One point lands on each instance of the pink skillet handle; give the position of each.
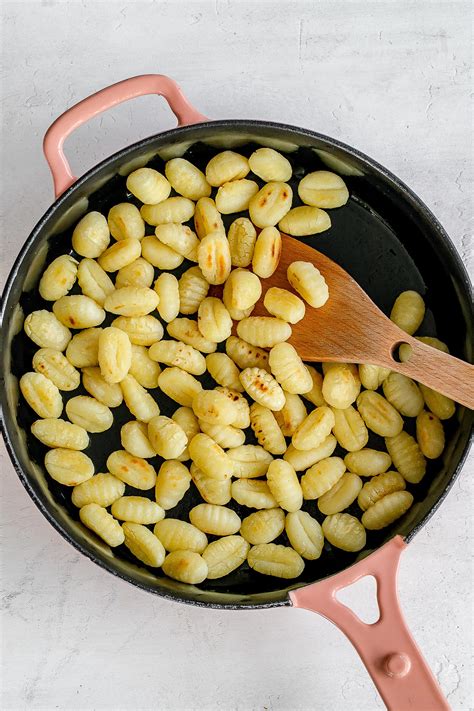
(389, 652)
(101, 101)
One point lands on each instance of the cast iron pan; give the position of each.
(385, 237)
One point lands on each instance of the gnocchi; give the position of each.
(172, 209)
(430, 434)
(270, 165)
(137, 509)
(349, 429)
(41, 394)
(185, 566)
(263, 526)
(235, 196)
(83, 349)
(94, 281)
(114, 354)
(209, 457)
(284, 305)
(314, 429)
(213, 256)
(321, 477)
(341, 495)
(284, 485)
(345, 532)
(249, 461)
(253, 493)
(186, 179)
(304, 459)
(143, 544)
(407, 456)
(183, 329)
(262, 388)
(144, 369)
(89, 413)
(148, 185)
(214, 321)
(78, 311)
(270, 204)
(59, 278)
(91, 235)
(207, 218)
(289, 370)
(179, 385)
(101, 489)
(98, 519)
(242, 236)
(266, 429)
(263, 331)
(180, 355)
(214, 519)
(267, 252)
(308, 281)
(109, 394)
(58, 433)
(47, 331)
(323, 189)
(225, 555)
(304, 534)
(277, 560)
(172, 483)
(125, 222)
(226, 166)
(224, 371)
(56, 367)
(387, 510)
(68, 466)
(166, 437)
(134, 439)
(177, 535)
(132, 470)
(408, 311)
(378, 487)
(167, 288)
(304, 220)
(193, 289)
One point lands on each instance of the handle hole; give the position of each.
(401, 352)
(361, 598)
(114, 129)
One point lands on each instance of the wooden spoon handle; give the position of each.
(441, 372)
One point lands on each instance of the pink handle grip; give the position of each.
(101, 101)
(389, 652)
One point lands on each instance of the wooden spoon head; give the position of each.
(348, 328)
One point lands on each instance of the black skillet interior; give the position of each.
(384, 237)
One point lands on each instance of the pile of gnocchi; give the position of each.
(262, 438)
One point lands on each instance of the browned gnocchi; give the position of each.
(253, 426)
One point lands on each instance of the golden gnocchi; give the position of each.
(56, 367)
(143, 544)
(41, 394)
(214, 519)
(262, 388)
(279, 561)
(47, 331)
(308, 281)
(263, 526)
(98, 519)
(242, 236)
(59, 278)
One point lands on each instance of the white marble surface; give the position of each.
(391, 78)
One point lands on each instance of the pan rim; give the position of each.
(408, 194)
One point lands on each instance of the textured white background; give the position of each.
(391, 78)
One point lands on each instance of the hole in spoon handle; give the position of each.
(439, 371)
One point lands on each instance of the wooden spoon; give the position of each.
(351, 328)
